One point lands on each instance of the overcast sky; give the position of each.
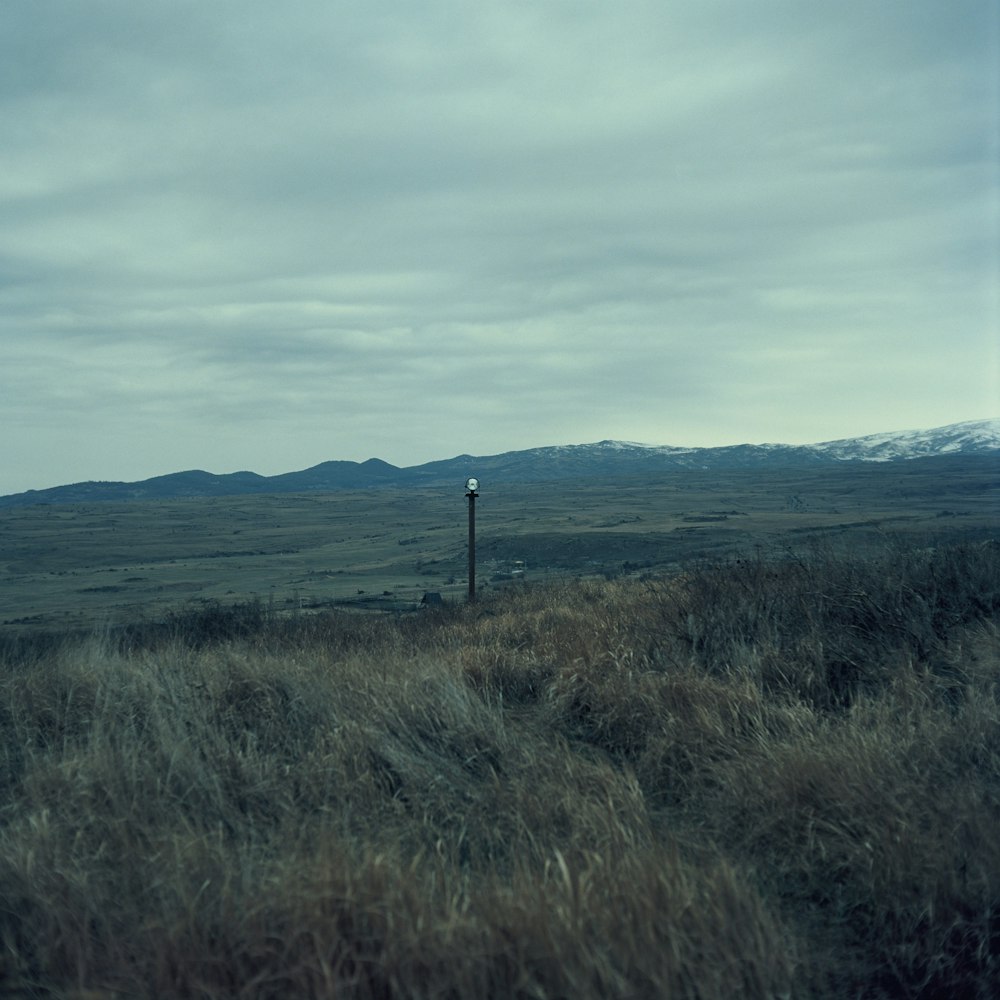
(247, 235)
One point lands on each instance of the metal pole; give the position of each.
(472, 545)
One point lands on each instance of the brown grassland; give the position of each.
(765, 776)
(737, 736)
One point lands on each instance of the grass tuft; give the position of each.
(767, 778)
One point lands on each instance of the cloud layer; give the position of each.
(243, 235)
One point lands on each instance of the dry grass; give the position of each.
(773, 778)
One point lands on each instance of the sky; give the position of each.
(249, 235)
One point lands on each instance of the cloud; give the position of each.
(241, 235)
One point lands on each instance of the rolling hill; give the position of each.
(602, 459)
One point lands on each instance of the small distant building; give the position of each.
(431, 599)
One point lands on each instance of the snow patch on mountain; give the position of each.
(622, 446)
(965, 437)
(970, 436)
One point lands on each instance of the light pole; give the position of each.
(471, 486)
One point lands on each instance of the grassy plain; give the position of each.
(81, 566)
(770, 777)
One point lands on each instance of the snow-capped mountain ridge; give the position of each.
(552, 465)
(968, 436)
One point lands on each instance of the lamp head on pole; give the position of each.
(472, 484)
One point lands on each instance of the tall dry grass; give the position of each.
(779, 777)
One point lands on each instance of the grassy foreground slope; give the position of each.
(768, 778)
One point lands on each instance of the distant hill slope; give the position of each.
(562, 462)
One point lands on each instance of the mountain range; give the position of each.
(562, 462)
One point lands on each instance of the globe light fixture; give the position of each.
(472, 484)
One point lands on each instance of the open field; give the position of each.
(80, 566)
(762, 778)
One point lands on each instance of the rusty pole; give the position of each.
(472, 485)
